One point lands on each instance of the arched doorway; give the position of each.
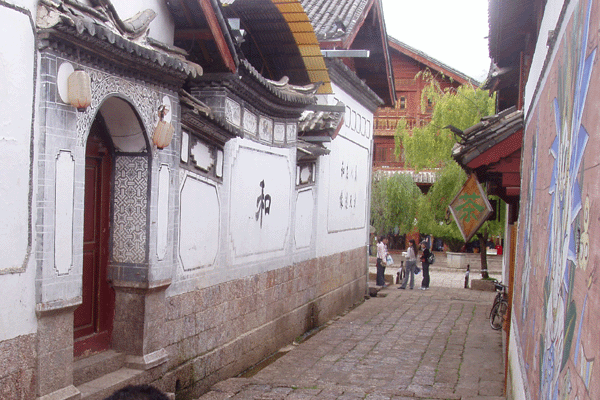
(115, 244)
(93, 319)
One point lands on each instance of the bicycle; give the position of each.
(499, 308)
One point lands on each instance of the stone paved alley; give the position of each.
(403, 344)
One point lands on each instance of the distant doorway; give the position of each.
(93, 319)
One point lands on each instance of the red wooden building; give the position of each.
(407, 62)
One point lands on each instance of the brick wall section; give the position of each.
(220, 331)
(17, 368)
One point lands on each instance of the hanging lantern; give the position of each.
(80, 90)
(163, 133)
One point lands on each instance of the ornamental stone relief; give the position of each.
(265, 129)
(145, 100)
(233, 112)
(279, 133)
(291, 132)
(130, 209)
(250, 122)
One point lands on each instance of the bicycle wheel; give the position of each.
(498, 314)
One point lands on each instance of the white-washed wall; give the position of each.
(344, 180)
(241, 226)
(17, 79)
(24, 4)
(549, 24)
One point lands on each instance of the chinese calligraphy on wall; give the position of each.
(263, 202)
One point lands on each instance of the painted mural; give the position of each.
(557, 298)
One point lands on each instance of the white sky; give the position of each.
(451, 31)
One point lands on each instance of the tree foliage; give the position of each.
(432, 212)
(394, 203)
(430, 146)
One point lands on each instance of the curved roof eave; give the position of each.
(306, 40)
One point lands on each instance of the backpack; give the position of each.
(431, 258)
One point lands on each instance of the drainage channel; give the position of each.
(255, 369)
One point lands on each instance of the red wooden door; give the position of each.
(94, 317)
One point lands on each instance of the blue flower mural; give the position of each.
(560, 313)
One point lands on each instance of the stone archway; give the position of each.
(122, 253)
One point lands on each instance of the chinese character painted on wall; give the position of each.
(347, 200)
(263, 202)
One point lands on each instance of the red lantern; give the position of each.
(80, 90)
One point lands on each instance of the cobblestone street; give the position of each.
(403, 344)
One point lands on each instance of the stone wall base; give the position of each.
(17, 368)
(218, 332)
(193, 340)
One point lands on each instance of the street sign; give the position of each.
(470, 208)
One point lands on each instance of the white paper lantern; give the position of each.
(163, 133)
(80, 90)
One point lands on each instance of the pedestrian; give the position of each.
(409, 265)
(425, 265)
(382, 253)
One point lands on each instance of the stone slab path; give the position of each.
(403, 344)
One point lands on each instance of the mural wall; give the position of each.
(557, 300)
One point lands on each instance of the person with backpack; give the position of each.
(427, 258)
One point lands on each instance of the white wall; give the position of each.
(516, 370)
(17, 268)
(225, 232)
(549, 21)
(343, 180)
(17, 304)
(26, 4)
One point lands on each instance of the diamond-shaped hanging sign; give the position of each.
(470, 208)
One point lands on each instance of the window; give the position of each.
(402, 103)
(386, 154)
(305, 173)
(429, 107)
(200, 157)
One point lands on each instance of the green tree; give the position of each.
(394, 202)
(433, 216)
(430, 147)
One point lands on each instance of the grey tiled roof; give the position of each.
(319, 121)
(334, 19)
(481, 137)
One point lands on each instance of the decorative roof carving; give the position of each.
(69, 20)
(320, 122)
(282, 88)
